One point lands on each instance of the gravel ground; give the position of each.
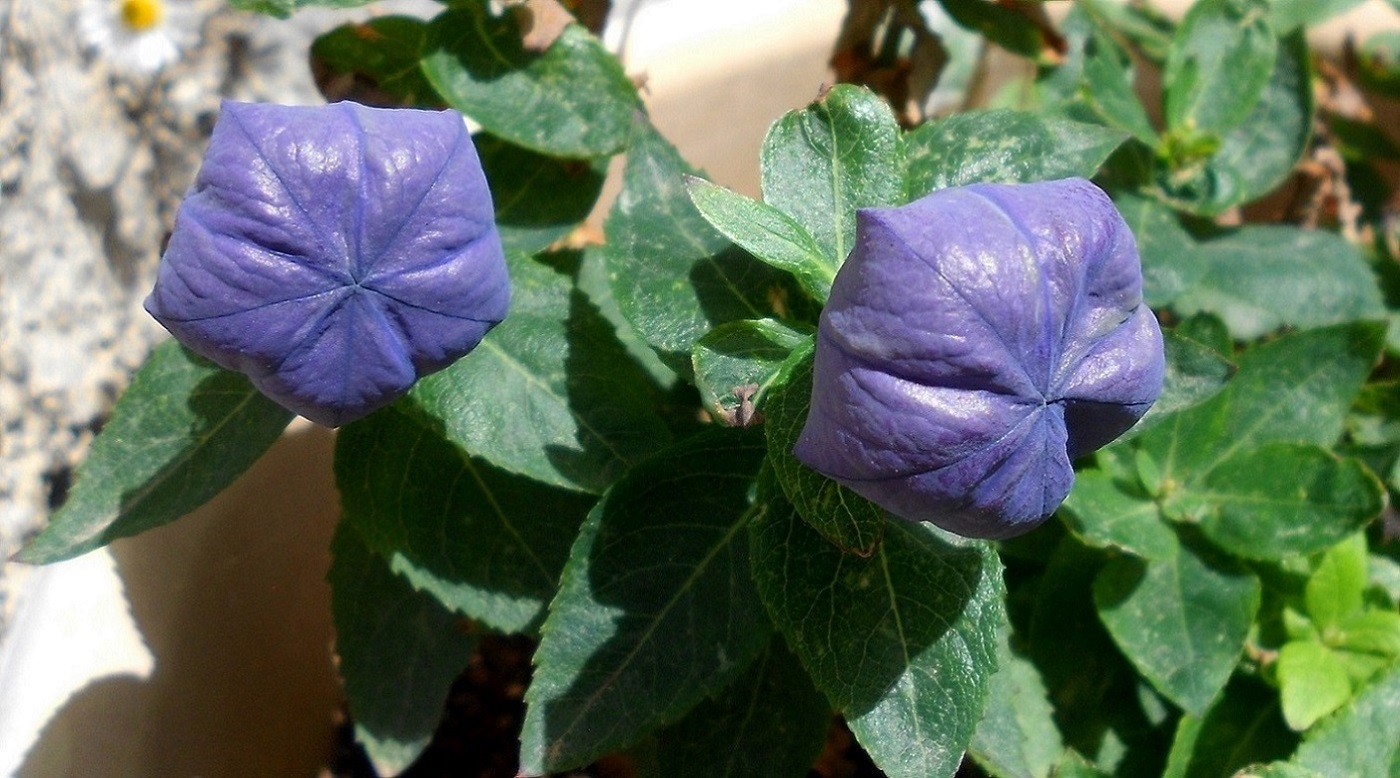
(92, 165)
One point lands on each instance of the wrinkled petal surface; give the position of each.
(975, 341)
(334, 254)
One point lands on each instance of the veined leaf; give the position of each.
(182, 431)
(657, 608)
(902, 643)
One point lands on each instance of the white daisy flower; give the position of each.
(137, 37)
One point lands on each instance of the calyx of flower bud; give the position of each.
(334, 254)
(974, 343)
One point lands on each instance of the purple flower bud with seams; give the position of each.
(334, 254)
(975, 342)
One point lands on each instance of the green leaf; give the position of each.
(1109, 91)
(1219, 63)
(1107, 513)
(1208, 330)
(1005, 26)
(182, 431)
(657, 608)
(593, 282)
(1335, 589)
(1090, 684)
(1182, 621)
(1362, 739)
(843, 517)
(1260, 278)
(386, 51)
(1312, 682)
(283, 8)
(534, 397)
(822, 163)
(674, 277)
(770, 721)
(1170, 262)
(1294, 389)
(742, 358)
(1277, 770)
(539, 199)
(1017, 737)
(479, 64)
(398, 650)
(1288, 15)
(1258, 155)
(1073, 765)
(1245, 726)
(484, 542)
(1372, 632)
(902, 643)
(766, 232)
(1004, 146)
(1194, 374)
(1286, 498)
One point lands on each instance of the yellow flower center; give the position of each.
(142, 15)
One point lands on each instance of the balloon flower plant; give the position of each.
(1006, 441)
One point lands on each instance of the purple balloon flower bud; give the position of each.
(975, 342)
(334, 254)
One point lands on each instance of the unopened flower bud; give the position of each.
(334, 254)
(974, 343)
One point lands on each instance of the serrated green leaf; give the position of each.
(593, 282)
(550, 393)
(1016, 737)
(657, 608)
(1362, 739)
(673, 275)
(386, 51)
(479, 64)
(770, 721)
(1294, 389)
(284, 8)
(1004, 146)
(1285, 498)
(1335, 589)
(822, 163)
(1107, 513)
(486, 543)
(843, 517)
(742, 357)
(182, 431)
(1218, 66)
(766, 232)
(1260, 278)
(1182, 621)
(902, 643)
(398, 652)
(539, 199)
(1245, 726)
